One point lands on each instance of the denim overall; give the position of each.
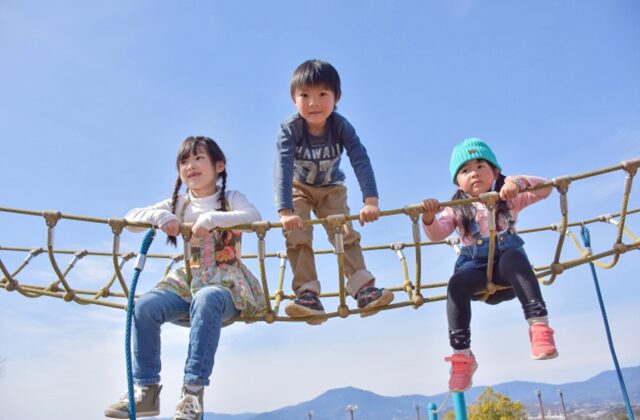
(477, 255)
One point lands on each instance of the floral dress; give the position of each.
(216, 261)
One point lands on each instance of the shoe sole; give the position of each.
(544, 356)
(299, 311)
(116, 414)
(384, 300)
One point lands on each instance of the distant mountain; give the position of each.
(214, 416)
(332, 405)
(601, 390)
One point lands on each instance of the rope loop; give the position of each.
(144, 248)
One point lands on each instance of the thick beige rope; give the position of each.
(62, 289)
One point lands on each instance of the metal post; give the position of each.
(459, 405)
(351, 409)
(564, 410)
(432, 411)
(538, 394)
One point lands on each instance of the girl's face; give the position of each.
(199, 173)
(315, 104)
(476, 177)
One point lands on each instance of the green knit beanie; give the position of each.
(470, 149)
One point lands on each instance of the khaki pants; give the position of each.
(324, 201)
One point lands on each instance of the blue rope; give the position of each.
(586, 238)
(144, 248)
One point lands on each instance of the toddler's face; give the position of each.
(476, 177)
(315, 104)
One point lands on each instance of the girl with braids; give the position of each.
(475, 170)
(220, 287)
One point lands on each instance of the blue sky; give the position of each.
(96, 98)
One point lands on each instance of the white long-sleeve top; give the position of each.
(199, 210)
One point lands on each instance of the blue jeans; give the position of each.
(209, 308)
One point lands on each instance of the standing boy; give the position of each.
(308, 177)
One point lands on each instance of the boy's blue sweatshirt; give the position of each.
(315, 160)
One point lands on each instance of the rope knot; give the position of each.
(52, 217)
(490, 199)
(491, 287)
(631, 166)
(413, 211)
(562, 183)
(260, 228)
(117, 225)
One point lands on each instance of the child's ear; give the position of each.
(220, 167)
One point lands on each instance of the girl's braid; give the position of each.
(223, 188)
(223, 207)
(174, 203)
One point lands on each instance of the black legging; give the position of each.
(511, 269)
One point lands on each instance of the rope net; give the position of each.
(114, 291)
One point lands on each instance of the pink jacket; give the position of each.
(447, 221)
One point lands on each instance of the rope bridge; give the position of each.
(114, 293)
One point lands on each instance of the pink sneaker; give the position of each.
(542, 344)
(462, 368)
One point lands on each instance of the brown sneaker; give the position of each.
(190, 406)
(371, 297)
(147, 399)
(307, 304)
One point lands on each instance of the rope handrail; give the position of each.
(628, 165)
(553, 227)
(413, 288)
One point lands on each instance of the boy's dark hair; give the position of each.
(466, 213)
(316, 72)
(187, 148)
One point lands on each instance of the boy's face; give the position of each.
(315, 104)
